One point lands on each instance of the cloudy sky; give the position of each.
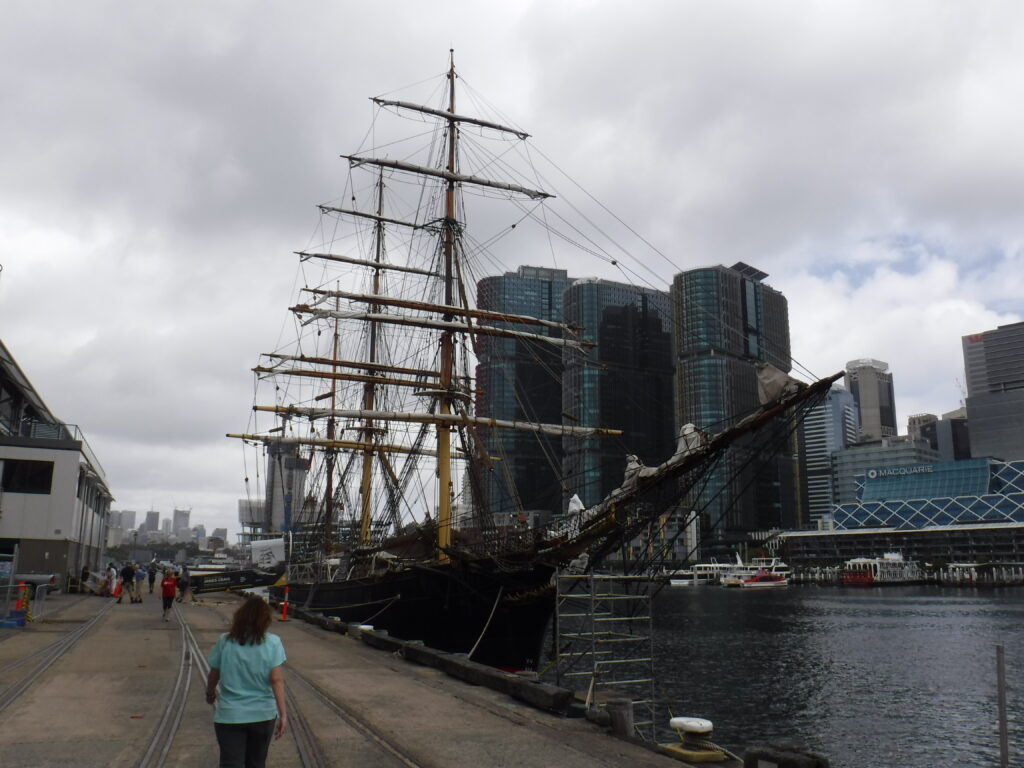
(159, 162)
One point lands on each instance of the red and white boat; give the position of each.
(890, 568)
(764, 579)
(740, 572)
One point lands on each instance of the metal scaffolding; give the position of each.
(604, 642)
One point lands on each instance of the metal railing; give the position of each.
(43, 430)
(39, 600)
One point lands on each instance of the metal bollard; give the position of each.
(1004, 736)
(620, 711)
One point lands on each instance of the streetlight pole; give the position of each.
(135, 547)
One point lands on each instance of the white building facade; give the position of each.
(54, 498)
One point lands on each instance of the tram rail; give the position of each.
(47, 656)
(360, 724)
(311, 753)
(193, 664)
(166, 729)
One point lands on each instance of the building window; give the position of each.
(24, 476)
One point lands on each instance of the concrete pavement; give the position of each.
(98, 705)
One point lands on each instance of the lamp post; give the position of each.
(135, 547)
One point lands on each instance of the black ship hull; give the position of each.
(502, 614)
(218, 581)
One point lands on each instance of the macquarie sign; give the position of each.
(900, 471)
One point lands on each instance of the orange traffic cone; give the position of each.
(284, 606)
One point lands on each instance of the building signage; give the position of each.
(900, 471)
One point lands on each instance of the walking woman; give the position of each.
(168, 588)
(246, 662)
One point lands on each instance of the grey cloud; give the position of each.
(160, 163)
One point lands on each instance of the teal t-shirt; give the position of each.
(245, 692)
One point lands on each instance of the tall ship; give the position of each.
(373, 405)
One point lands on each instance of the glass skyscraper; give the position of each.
(623, 382)
(521, 379)
(726, 321)
(829, 426)
(994, 367)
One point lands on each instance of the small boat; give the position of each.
(890, 568)
(740, 572)
(694, 577)
(763, 580)
(734, 579)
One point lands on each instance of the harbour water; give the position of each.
(880, 677)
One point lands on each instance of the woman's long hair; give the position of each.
(250, 622)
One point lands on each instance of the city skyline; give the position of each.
(880, 191)
(152, 521)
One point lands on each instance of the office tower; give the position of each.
(726, 321)
(199, 531)
(994, 368)
(623, 382)
(920, 423)
(128, 519)
(286, 484)
(220, 533)
(180, 522)
(521, 379)
(165, 526)
(829, 426)
(871, 385)
(251, 513)
(152, 521)
(950, 435)
(884, 456)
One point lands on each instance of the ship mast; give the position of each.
(330, 457)
(369, 388)
(444, 462)
(330, 454)
(450, 317)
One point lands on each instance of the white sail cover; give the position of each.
(773, 383)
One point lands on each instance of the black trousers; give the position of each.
(244, 745)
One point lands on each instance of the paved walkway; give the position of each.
(98, 704)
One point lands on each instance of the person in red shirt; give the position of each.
(168, 589)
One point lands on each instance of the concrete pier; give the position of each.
(100, 702)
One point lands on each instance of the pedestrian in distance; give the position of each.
(185, 586)
(168, 588)
(84, 581)
(111, 581)
(152, 571)
(250, 707)
(140, 578)
(127, 582)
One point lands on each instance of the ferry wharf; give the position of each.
(96, 683)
